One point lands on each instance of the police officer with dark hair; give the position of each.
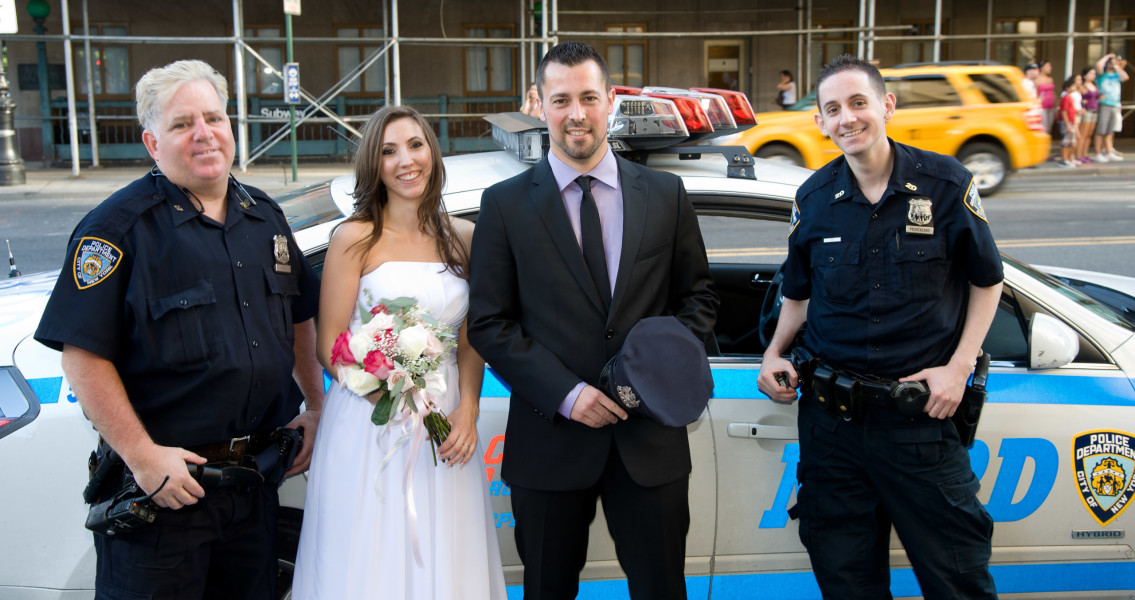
(182, 311)
(892, 265)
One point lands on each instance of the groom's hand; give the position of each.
(594, 409)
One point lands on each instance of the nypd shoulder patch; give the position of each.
(795, 220)
(973, 201)
(95, 260)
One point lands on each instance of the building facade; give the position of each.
(456, 61)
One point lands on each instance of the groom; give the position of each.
(566, 258)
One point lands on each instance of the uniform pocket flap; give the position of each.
(198, 294)
(833, 254)
(921, 250)
(283, 284)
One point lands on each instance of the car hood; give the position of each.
(22, 300)
(1117, 292)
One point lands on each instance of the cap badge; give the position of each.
(627, 396)
(280, 249)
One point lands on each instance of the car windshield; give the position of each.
(309, 206)
(1068, 292)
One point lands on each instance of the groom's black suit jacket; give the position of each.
(536, 317)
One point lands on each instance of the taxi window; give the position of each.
(923, 91)
(996, 87)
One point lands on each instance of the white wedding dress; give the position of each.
(358, 537)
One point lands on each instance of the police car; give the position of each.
(1055, 451)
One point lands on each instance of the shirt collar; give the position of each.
(182, 207)
(607, 171)
(904, 176)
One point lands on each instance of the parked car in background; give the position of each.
(979, 113)
(1055, 452)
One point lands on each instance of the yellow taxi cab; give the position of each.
(977, 112)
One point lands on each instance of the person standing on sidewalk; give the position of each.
(1069, 128)
(1111, 73)
(1089, 101)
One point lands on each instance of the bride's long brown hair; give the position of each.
(371, 195)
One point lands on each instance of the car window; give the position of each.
(996, 87)
(747, 240)
(923, 91)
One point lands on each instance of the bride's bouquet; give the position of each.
(397, 352)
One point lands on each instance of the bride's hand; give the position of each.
(461, 444)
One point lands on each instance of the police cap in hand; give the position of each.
(661, 372)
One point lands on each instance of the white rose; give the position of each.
(413, 340)
(358, 380)
(377, 324)
(360, 345)
(435, 383)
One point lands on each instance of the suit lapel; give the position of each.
(634, 221)
(549, 205)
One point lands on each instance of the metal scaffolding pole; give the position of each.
(90, 88)
(396, 61)
(69, 69)
(241, 87)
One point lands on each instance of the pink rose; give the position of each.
(377, 364)
(433, 345)
(341, 351)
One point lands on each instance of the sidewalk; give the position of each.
(100, 182)
(275, 179)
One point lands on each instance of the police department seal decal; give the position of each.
(95, 260)
(973, 202)
(919, 219)
(1104, 462)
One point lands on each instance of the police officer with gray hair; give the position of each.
(183, 310)
(892, 266)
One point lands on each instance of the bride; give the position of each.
(367, 533)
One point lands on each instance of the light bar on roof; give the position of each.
(715, 107)
(642, 123)
(524, 136)
(738, 104)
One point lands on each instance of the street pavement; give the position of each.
(57, 183)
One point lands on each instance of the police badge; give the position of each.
(919, 219)
(1103, 461)
(280, 249)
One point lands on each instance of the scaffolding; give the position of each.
(530, 45)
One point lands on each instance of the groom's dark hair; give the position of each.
(571, 54)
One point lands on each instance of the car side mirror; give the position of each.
(1052, 344)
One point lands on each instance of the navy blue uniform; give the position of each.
(197, 318)
(888, 287)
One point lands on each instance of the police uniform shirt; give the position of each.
(888, 284)
(195, 315)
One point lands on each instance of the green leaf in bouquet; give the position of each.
(399, 323)
(429, 320)
(382, 409)
(364, 313)
(399, 304)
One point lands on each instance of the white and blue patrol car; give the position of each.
(1055, 451)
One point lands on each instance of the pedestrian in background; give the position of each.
(786, 94)
(865, 466)
(1069, 128)
(1031, 71)
(531, 105)
(182, 312)
(1046, 92)
(1110, 74)
(1089, 101)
